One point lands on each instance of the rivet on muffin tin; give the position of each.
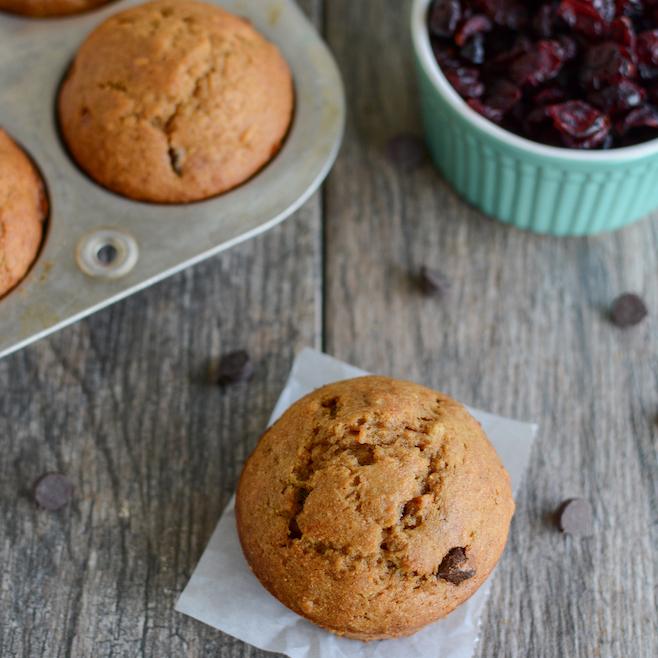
(82, 268)
(107, 253)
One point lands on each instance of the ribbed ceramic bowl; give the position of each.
(531, 186)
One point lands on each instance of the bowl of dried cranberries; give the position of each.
(543, 113)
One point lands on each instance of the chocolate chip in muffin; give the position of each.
(235, 367)
(53, 491)
(449, 569)
(575, 517)
(432, 281)
(627, 310)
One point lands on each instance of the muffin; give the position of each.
(175, 101)
(23, 210)
(373, 507)
(49, 7)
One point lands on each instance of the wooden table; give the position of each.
(123, 404)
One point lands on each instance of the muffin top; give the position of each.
(175, 101)
(49, 7)
(373, 506)
(23, 210)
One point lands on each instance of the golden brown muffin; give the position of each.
(23, 210)
(175, 101)
(41, 8)
(373, 507)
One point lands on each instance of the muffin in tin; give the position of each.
(373, 507)
(23, 212)
(43, 8)
(175, 101)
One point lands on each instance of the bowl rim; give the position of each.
(423, 49)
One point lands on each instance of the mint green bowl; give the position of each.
(541, 188)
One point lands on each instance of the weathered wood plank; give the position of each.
(522, 333)
(122, 403)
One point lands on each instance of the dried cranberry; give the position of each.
(444, 17)
(645, 116)
(647, 53)
(537, 126)
(504, 57)
(629, 7)
(569, 46)
(549, 96)
(508, 13)
(466, 81)
(542, 63)
(606, 63)
(474, 25)
(578, 120)
(543, 22)
(473, 51)
(618, 98)
(623, 32)
(503, 95)
(491, 113)
(583, 17)
(605, 8)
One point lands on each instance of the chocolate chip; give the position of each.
(406, 151)
(449, 568)
(628, 310)
(234, 367)
(52, 491)
(575, 517)
(433, 282)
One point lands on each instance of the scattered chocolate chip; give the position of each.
(575, 517)
(433, 282)
(234, 367)
(52, 491)
(449, 568)
(406, 151)
(628, 310)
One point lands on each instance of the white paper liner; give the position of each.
(224, 593)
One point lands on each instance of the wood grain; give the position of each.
(522, 333)
(123, 402)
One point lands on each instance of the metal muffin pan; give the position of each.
(101, 247)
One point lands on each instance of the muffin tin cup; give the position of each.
(101, 247)
(550, 190)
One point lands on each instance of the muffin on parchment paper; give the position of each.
(175, 101)
(373, 507)
(43, 8)
(23, 211)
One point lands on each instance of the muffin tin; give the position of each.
(101, 247)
